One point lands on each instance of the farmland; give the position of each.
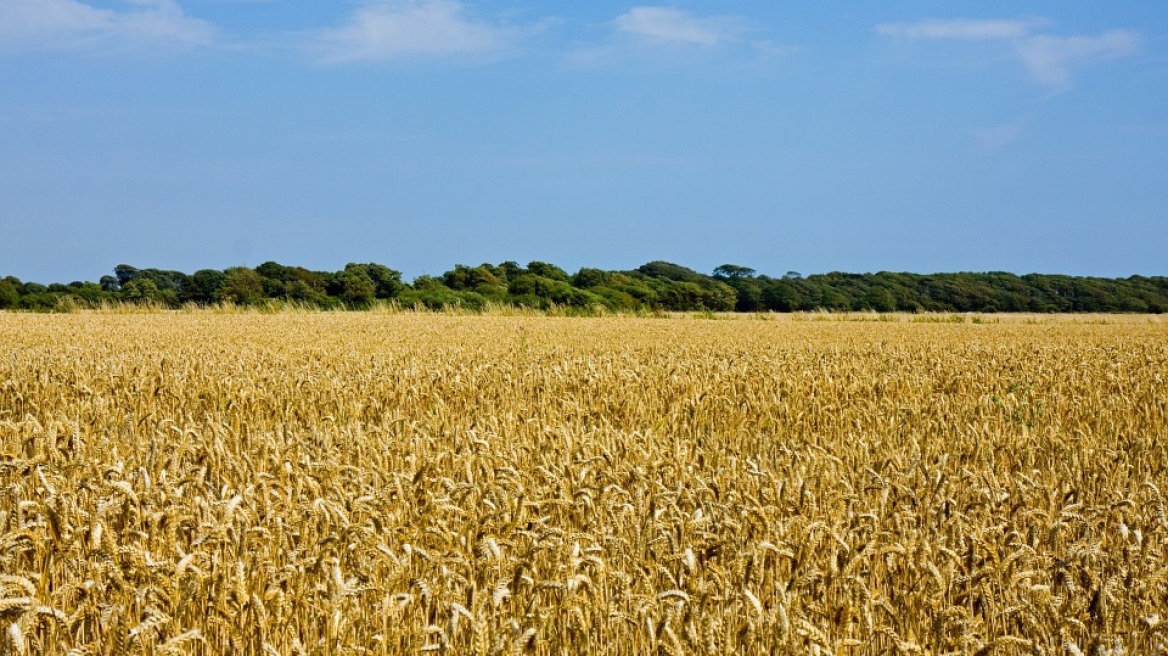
(343, 483)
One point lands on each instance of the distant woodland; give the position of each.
(656, 286)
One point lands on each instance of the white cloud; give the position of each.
(395, 29)
(670, 25)
(659, 35)
(70, 24)
(1049, 59)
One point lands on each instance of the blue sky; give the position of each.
(807, 136)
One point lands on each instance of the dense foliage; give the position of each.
(656, 286)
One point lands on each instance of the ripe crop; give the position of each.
(348, 483)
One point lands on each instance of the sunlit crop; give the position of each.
(339, 483)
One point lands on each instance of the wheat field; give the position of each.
(376, 483)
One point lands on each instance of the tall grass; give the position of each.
(224, 481)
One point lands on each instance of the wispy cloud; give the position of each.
(661, 35)
(671, 25)
(398, 29)
(1048, 59)
(72, 25)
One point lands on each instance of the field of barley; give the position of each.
(375, 483)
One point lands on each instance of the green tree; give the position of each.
(125, 273)
(387, 283)
(141, 290)
(357, 289)
(733, 272)
(671, 271)
(9, 293)
(464, 277)
(507, 271)
(274, 271)
(203, 286)
(276, 278)
(879, 299)
(90, 292)
(428, 282)
(586, 278)
(782, 296)
(550, 271)
(242, 286)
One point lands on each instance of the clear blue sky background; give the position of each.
(810, 136)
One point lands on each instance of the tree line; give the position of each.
(656, 286)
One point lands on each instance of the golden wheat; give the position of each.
(318, 483)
